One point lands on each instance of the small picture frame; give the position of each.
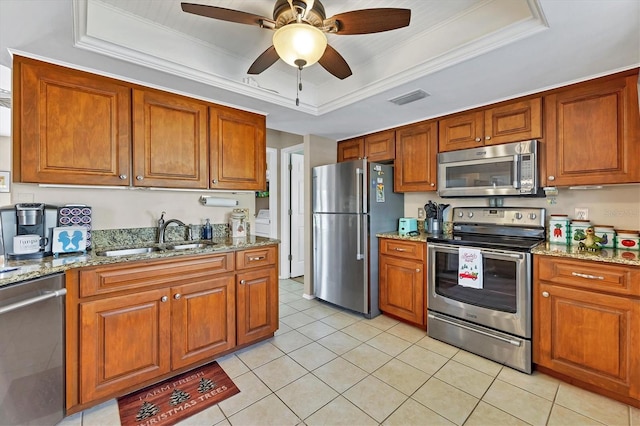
(5, 181)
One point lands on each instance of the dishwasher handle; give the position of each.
(46, 295)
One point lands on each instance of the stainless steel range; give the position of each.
(479, 282)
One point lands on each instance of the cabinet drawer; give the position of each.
(598, 276)
(256, 257)
(403, 249)
(127, 276)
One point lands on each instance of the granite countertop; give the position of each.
(606, 255)
(35, 268)
(421, 237)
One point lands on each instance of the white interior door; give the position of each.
(297, 215)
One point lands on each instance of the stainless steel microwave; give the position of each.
(497, 170)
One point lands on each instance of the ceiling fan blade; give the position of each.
(264, 61)
(229, 15)
(333, 62)
(368, 21)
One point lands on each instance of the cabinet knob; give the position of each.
(478, 139)
(433, 184)
(177, 296)
(552, 178)
(417, 269)
(164, 298)
(487, 137)
(545, 294)
(214, 181)
(123, 177)
(243, 281)
(139, 177)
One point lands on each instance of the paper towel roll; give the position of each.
(218, 202)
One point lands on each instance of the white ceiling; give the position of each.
(464, 53)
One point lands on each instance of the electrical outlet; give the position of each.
(420, 213)
(581, 213)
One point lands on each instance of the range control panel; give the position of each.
(516, 216)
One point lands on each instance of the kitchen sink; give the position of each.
(189, 246)
(127, 252)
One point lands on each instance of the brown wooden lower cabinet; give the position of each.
(587, 324)
(134, 323)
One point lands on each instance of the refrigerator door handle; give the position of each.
(359, 203)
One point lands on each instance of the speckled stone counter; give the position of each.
(609, 255)
(421, 237)
(35, 268)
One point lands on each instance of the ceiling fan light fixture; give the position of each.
(299, 43)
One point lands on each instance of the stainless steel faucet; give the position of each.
(163, 226)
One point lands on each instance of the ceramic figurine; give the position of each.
(589, 240)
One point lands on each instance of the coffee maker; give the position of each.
(28, 219)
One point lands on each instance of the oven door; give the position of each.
(504, 301)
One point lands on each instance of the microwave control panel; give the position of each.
(527, 173)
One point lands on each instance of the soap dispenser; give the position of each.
(207, 231)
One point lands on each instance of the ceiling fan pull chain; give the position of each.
(298, 86)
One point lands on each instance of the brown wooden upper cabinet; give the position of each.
(416, 157)
(593, 132)
(377, 147)
(504, 123)
(238, 149)
(70, 127)
(169, 140)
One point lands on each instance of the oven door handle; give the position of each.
(452, 248)
(484, 333)
(46, 295)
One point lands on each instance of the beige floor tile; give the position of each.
(282, 328)
(437, 346)
(291, 286)
(340, 374)
(517, 402)
(306, 395)
(375, 397)
(382, 322)
(312, 356)
(465, 378)
(595, 406)
(232, 365)
(479, 363)
(267, 411)
(286, 310)
(561, 416)
(486, 414)
(72, 420)
(447, 401)
(259, 354)
(413, 413)
(423, 359)
(405, 378)
(304, 304)
(362, 331)
(288, 298)
(297, 320)
(319, 312)
(367, 357)
(339, 320)
(537, 383)
(339, 342)
(210, 416)
(407, 332)
(290, 341)
(316, 330)
(225, 422)
(635, 416)
(339, 412)
(251, 390)
(104, 414)
(280, 372)
(388, 343)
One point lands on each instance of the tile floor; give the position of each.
(327, 366)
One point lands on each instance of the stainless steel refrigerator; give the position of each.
(352, 202)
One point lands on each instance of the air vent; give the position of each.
(409, 97)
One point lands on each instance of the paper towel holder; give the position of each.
(217, 201)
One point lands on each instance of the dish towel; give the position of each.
(470, 267)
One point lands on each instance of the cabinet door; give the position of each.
(513, 122)
(402, 288)
(257, 304)
(70, 127)
(589, 336)
(352, 149)
(380, 147)
(169, 141)
(238, 149)
(202, 319)
(416, 158)
(124, 342)
(592, 133)
(461, 131)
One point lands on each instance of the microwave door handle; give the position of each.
(516, 171)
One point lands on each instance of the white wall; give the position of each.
(5, 164)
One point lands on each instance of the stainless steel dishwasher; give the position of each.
(32, 351)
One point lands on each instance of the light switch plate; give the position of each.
(581, 213)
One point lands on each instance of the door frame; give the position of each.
(285, 206)
(272, 161)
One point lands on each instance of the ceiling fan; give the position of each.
(300, 27)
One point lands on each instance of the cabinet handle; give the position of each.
(139, 177)
(487, 137)
(587, 276)
(243, 281)
(164, 298)
(552, 178)
(123, 177)
(399, 249)
(545, 294)
(177, 296)
(478, 139)
(251, 259)
(214, 181)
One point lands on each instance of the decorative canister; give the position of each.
(558, 231)
(605, 233)
(578, 230)
(627, 240)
